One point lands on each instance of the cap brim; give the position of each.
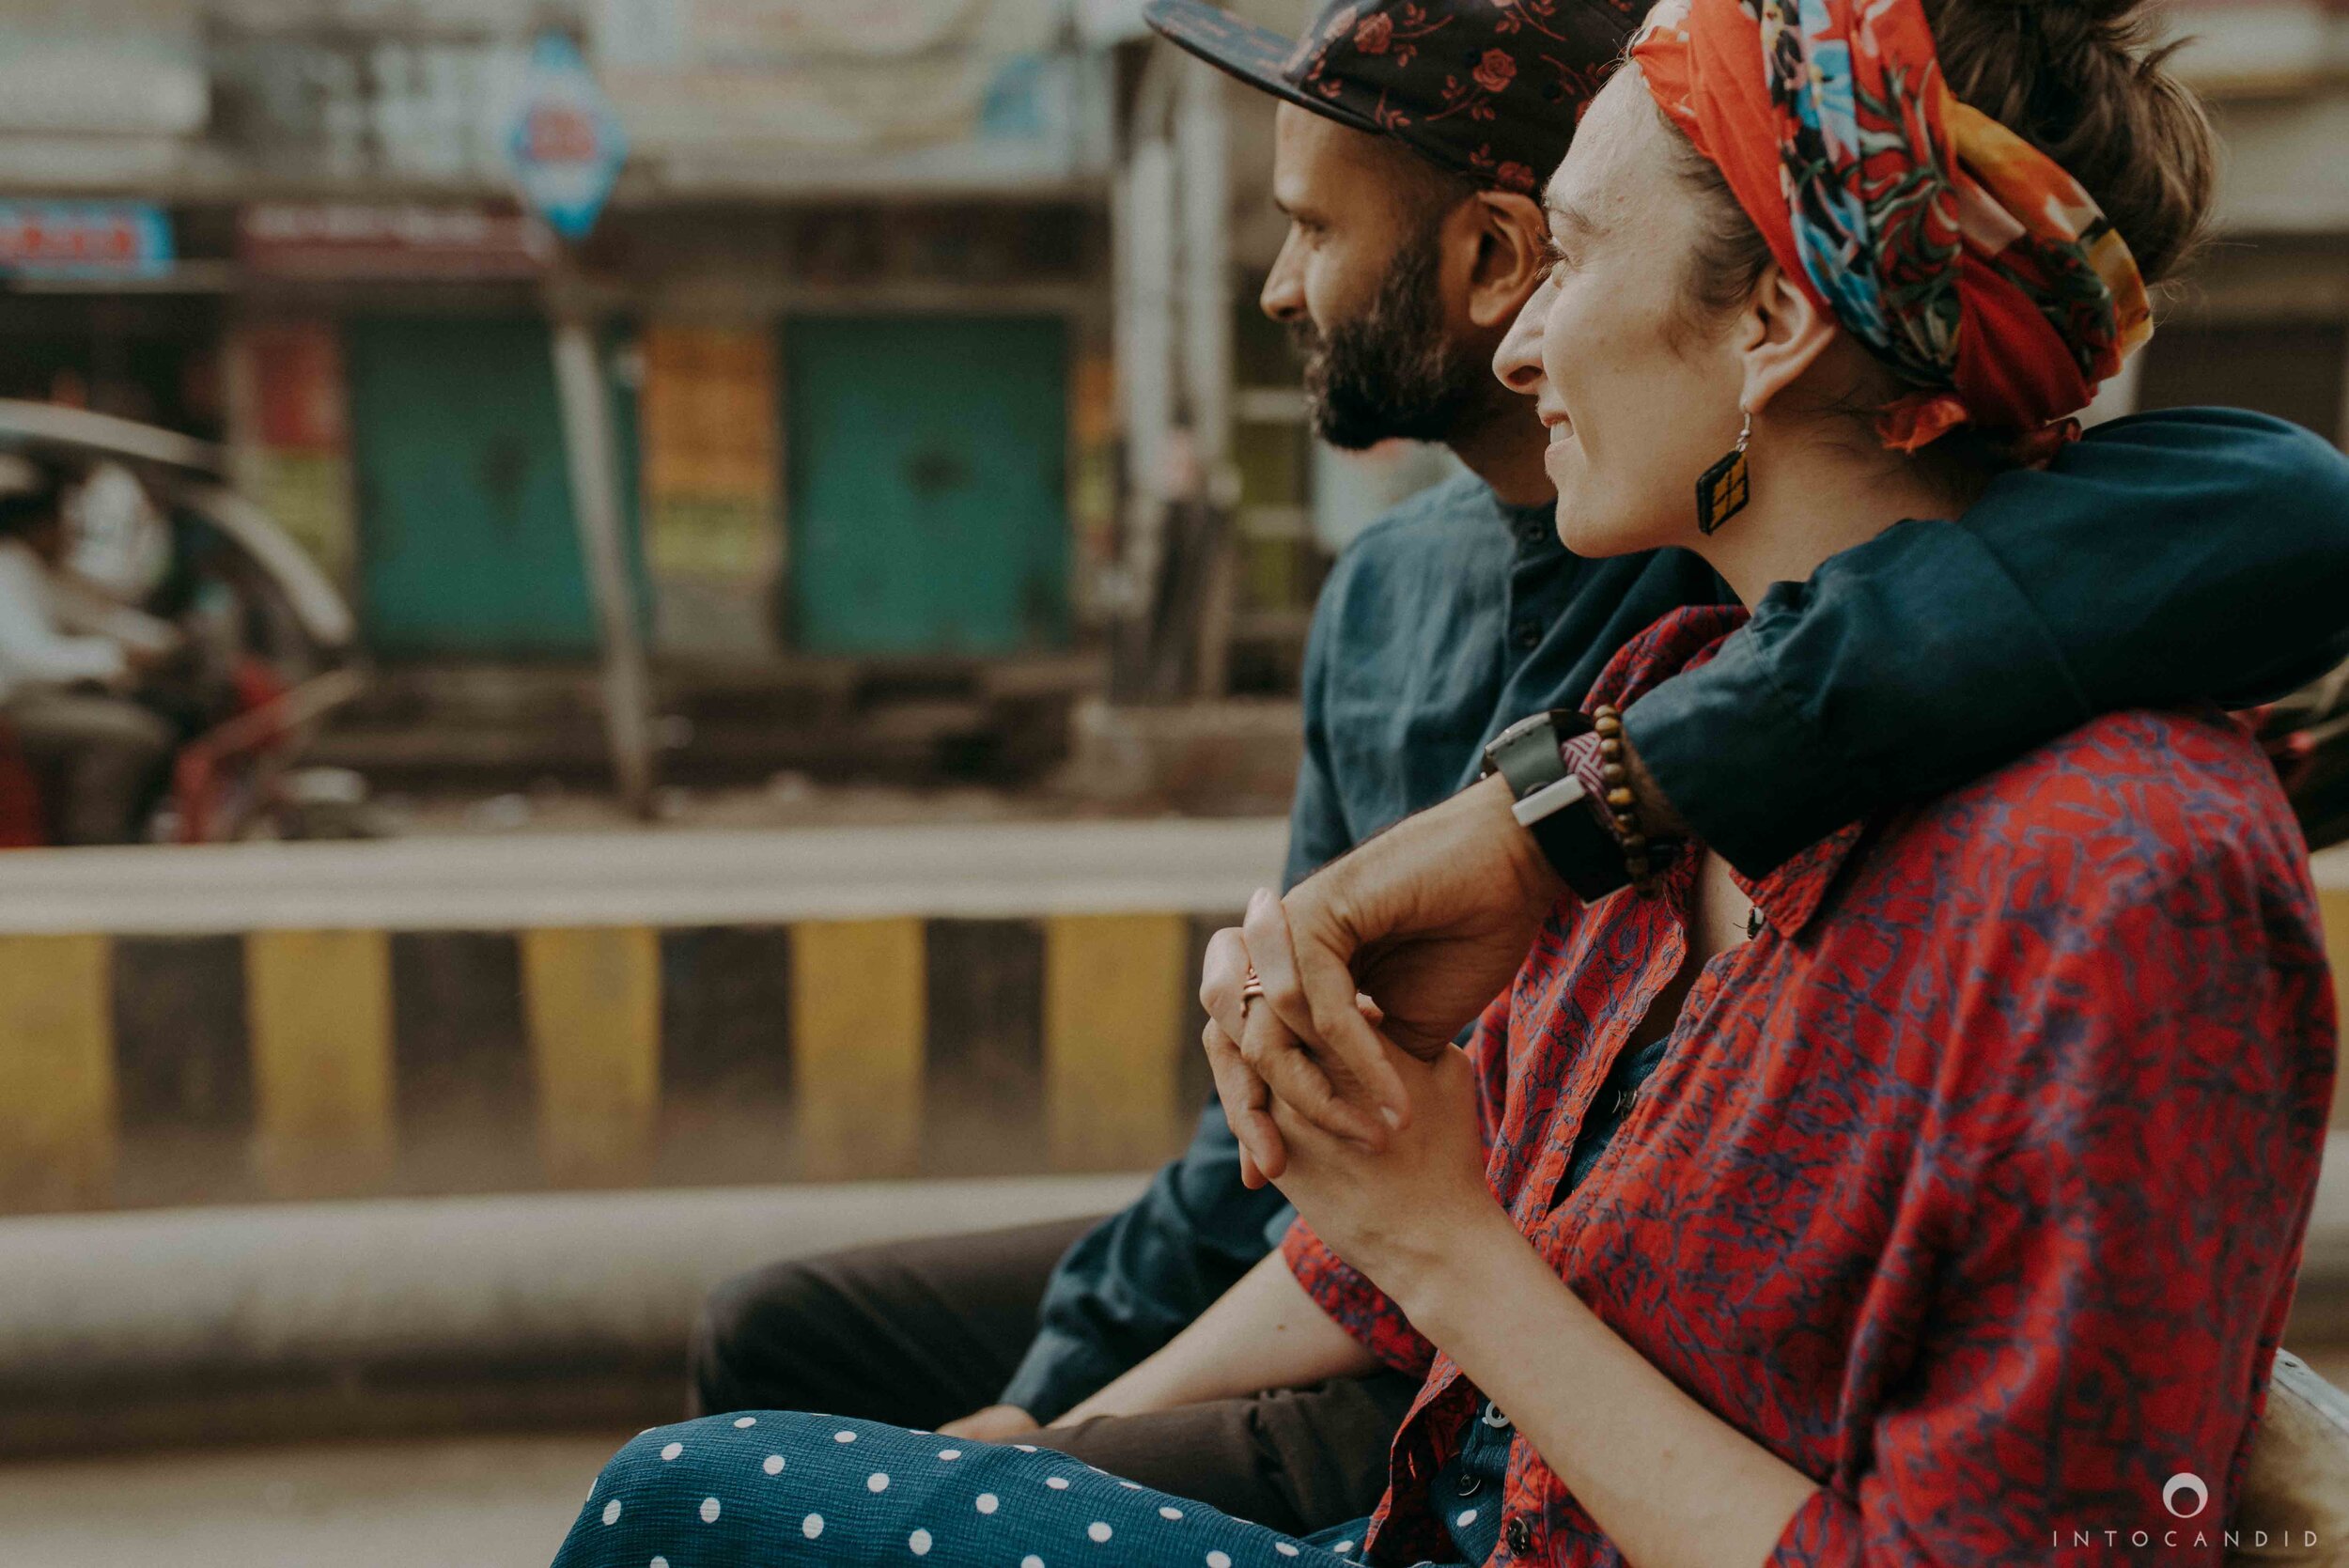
(1257, 56)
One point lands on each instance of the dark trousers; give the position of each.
(97, 756)
(919, 1333)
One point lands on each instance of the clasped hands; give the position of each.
(1341, 1082)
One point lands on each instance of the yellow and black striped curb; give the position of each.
(143, 1070)
(140, 1070)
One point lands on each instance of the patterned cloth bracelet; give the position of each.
(1580, 754)
(1596, 758)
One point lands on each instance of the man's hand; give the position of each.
(1433, 917)
(997, 1424)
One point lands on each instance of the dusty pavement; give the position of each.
(493, 1502)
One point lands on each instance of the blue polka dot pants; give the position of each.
(774, 1487)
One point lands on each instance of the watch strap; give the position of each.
(1554, 806)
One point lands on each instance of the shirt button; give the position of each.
(1528, 636)
(1519, 1534)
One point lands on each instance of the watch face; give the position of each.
(1507, 743)
(1522, 728)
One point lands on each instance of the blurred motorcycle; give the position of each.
(271, 643)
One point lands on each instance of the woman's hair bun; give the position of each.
(2086, 82)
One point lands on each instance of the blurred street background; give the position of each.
(750, 561)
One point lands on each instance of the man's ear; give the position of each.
(1781, 334)
(1512, 247)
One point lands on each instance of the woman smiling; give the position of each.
(1937, 1198)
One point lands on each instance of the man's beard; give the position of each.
(1391, 372)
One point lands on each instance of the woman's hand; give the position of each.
(1248, 1098)
(1395, 1213)
(1433, 917)
(1408, 1213)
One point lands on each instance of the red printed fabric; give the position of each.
(1973, 1187)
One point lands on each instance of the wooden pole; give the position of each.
(588, 440)
(1203, 139)
(1146, 363)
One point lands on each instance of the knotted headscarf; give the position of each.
(1957, 251)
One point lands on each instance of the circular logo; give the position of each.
(2185, 1495)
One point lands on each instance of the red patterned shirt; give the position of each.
(1973, 1187)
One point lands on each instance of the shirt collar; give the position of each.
(1790, 897)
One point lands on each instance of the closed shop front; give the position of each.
(466, 539)
(929, 496)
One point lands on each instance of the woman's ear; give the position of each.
(1512, 247)
(1780, 335)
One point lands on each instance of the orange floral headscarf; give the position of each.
(1959, 252)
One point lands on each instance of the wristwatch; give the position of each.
(1552, 804)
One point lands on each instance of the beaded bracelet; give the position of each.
(1622, 805)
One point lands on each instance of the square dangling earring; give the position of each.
(1723, 490)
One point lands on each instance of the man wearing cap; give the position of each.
(1410, 140)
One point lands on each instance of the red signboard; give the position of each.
(84, 239)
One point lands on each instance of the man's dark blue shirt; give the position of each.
(2170, 557)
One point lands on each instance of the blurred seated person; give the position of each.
(69, 660)
(118, 541)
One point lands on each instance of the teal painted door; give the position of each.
(928, 508)
(467, 543)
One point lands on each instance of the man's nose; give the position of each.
(1519, 360)
(1284, 294)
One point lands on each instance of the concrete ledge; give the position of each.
(374, 1318)
(658, 878)
(240, 1324)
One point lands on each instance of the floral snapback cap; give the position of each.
(1489, 89)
